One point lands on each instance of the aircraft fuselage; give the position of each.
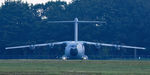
(74, 50)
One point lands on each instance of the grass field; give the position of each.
(74, 67)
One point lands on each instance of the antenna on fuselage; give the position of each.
(76, 21)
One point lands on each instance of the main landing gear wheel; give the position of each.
(85, 58)
(64, 58)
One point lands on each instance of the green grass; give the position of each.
(74, 67)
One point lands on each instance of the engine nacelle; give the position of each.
(118, 47)
(98, 46)
(32, 47)
(51, 45)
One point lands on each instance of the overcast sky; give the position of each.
(37, 1)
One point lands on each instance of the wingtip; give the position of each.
(143, 48)
(6, 48)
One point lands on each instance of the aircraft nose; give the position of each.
(73, 52)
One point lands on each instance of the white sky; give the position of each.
(37, 1)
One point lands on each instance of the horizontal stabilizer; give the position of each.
(61, 21)
(91, 22)
(76, 21)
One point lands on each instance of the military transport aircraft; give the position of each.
(75, 49)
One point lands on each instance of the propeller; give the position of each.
(51, 45)
(98, 45)
(32, 47)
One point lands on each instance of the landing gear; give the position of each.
(85, 57)
(64, 58)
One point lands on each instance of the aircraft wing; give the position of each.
(91, 22)
(77, 21)
(61, 21)
(114, 45)
(36, 45)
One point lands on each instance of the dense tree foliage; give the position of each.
(127, 22)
